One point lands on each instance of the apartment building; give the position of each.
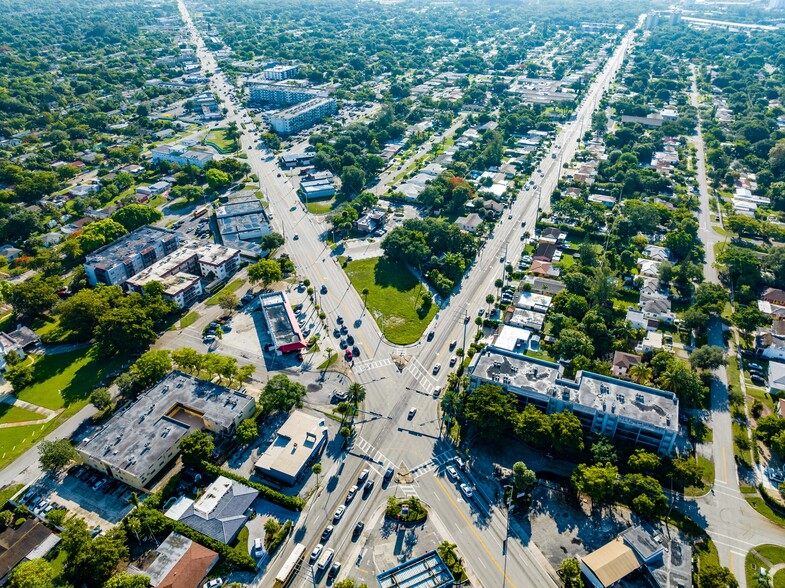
(628, 412)
(180, 155)
(115, 263)
(281, 72)
(302, 115)
(284, 94)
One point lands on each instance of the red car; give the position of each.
(349, 355)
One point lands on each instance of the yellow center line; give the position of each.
(471, 527)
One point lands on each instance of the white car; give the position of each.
(315, 553)
(258, 548)
(467, 490)
(452, 473)
(214, 583)
(339, 513)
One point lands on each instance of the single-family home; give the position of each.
(178, 562)
(544, 285)
(657, 253)
(776, 377)
(772, 310)
(469, 223)
(30, 540)
(638, 320)
(544, 268)
(774, 296)
(371, 220)
(604, 199)
(648, 268)
(622, 362)
(494, 208)
(552, 235)
(659, 309)
(545, 251)
(10, 252)
(651, 343)
(51, 239)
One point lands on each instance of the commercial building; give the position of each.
(281, 72)
(425, 571)
(296, 444)
(281, 322)
(139, 441)
(242, 219)
(319, 188)
(302, 116)
(180, 155)
(181, 271)
(178, 562)
(220, 512)
(630, 413)
(297, 159)
(113, 264)
(284, 94)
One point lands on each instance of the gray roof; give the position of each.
(219, 513)
(129, 245)
(134, 439)
(425, 571)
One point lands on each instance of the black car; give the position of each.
(358, 529)
(339, 320)
(337, 333)
(388, 474)
(328, 530)
(356, 351)
(350, 339)
(324, 289)
(430, 336)
(368, 487)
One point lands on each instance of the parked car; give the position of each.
(334, 570)
(436, 368)
(258, 547)
(412, 412)
(452, 473)
(388, 474)
(467, 491)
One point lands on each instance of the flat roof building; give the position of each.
(631, 413)
(302, 116)
(281, 72)
(261, 92)
(219, 513)
(425, 571)
(181, 271)
(281, 322)
(137, 442)
(321, 188)
(242, 219)
(296, 444)
(180, 155)
(114, 263)
(609, 564)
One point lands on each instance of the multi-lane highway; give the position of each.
(387, 435)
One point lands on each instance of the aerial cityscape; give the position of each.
(395, 293)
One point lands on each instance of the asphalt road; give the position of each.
(386, 434)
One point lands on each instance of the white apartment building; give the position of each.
(302, 115)
(260, 92)
(180, 155)
(281, 72)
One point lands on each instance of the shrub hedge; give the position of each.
(294, 503)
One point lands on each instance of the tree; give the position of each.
(534, 428)
(317, 470)
(134, 216)
(352, 179)
(687, 471)
(490, 410)
(196, 447)
(748, 319)
(217, 179)
(54, 456)
(228, 300)
(643, 461)
(604, 451)
(567, 433)
(151, 367)
(35, 573)
(640, 373)
(356, 393)
(695, 319)
(572, 343)
(272, 241)
(280, 393)
(711, 297)
(523, 479)
(124, 329)
(125, 580)
(713, 576)
(81, 313)
(265, 271)
(570, 572)
(188, 359)
(596, 481)
(100, 233)
(34, 297)
(247, 432)
(707, 357)
(100, 398)
(188, 192)
(19, 375)
(365, 293)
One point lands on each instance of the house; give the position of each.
(545, 251)
(19, 341)
(525, 318)
(776, 377)
(220, 512)
(770, 343)
(533, 301)
(178, 562)
(30, 540)
(493, 207)
(648, 268)
(51, 239)
(552, 235)
(469, 223)
(622, 362)
(651, 343)
(544, 269)
(774, 296)
(659, 309)
(544, 285)
(609, 564)
(638, 320)
(657, 253)
(604, 199)
(772, 310)
(10, 252)
(84, 190)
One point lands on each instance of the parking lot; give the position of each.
(101, 501)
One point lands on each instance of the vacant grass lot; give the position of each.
(392, 299)
(217, 139)
(16, 414)
(189, 319)
(62, 381)
(328, 205)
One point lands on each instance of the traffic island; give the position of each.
(406, 510)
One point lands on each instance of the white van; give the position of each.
(326, 559)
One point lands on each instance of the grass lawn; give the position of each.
(189, 319)
(325, 206)
(157, 201)
(217, 139)
(392, 299)
(230, 287)
(758, 504)
(708, 478)
(328, 362)
(15, 414)
(779, 579)
(8, 492)
(774, 554)
(240, 544)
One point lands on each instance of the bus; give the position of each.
(201, 211)
(288, 570)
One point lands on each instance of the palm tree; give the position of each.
(446, 551)
(343, 409)
(317, 469)
(356, 393)
(365, 293)
(640, 373)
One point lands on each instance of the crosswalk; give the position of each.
(374, 454)
(432, 464)
(416, 369)
(369, 365)
(409, 491)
